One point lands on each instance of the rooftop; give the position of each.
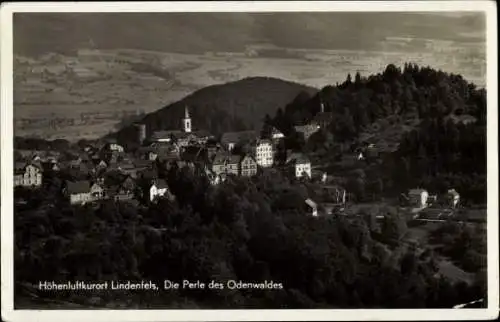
(235, 137)
(416, 191)
(161, 184)
(297, 157)
(74, 187)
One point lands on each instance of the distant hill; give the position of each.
(232, 106)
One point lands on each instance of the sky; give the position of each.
(195, 33)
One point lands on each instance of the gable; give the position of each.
(96, 188)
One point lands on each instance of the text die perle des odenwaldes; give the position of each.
(152, 286)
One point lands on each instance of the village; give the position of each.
(243, 153)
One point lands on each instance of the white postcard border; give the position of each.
(6, 54)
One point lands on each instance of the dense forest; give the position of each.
(418, 108)
(245, 229)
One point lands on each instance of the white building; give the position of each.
(313, 206)
(264, 154)
(186, 121)
(158, 189)
(276, 134)
(453, 197)
(418, 197)
(27, 175)
(116, 147)
(300, 164)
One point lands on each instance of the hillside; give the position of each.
(232, 106)
(429, 126)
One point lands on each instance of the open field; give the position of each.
(111, 82)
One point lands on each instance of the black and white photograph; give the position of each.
(249, 157)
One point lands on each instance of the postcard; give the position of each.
(237, 161)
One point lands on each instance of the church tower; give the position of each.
(186, 121)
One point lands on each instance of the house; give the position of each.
(97, 191)
(128, 168)
(74, 162)
(114, 147)
(124, 190)
(276, 134)
(307, 130)
(213, 148)
(78, 192)
(324, 177)
(418, 198)
(248, 166)
(453, 198)
(99, 165)
(159, 188)
(231, 139)
(181, 138)
(152, 155)
(313, 207)
(164, 136)
(213, 178)
(141, 165)
(300, 165)
(219, 163)
(27, 175)
(233, 164)
(264, 154)
(89, 148)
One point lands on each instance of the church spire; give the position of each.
(186, 121)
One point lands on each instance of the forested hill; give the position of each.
(232, 106)
(398, 96)
(432, 123)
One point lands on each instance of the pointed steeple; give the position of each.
(186, 121)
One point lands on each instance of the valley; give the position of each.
(88, 94)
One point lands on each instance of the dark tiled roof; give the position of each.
(143, 163)
(74, 187)
(220, 158)
(164, 134)
(416, 191)
(248, 155)
(233, 159)
(235, 137)
(162, 184)
(19, 166)
(297, 157)
(264, 141)
(202, 134)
